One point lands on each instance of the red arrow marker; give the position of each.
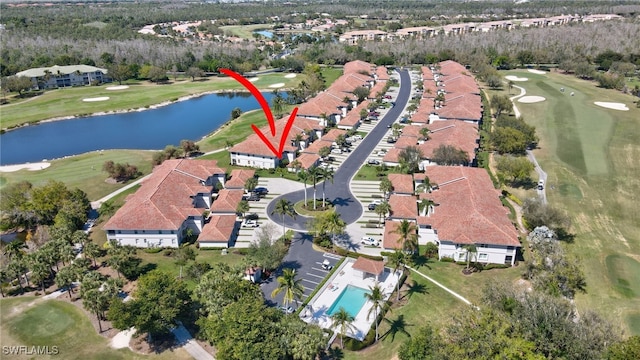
(267, 111)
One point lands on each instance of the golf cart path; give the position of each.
(542, 194)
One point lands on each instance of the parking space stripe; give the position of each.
(314, 275)
(313, 282)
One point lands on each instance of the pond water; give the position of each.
(264, 33)
(147, 130)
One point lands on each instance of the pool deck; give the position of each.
(315, 313)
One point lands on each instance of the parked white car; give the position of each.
(250, 223)
(368, 240)
(336, 151)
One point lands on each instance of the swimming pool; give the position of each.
(351, 299)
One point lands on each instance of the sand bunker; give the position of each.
(290, 76)
(278, 85)
(30, 167)
(253, 79)
(515, 78)
(539, 72)
(118, 87)
(531, 99)
(612, 105)
(101, 98)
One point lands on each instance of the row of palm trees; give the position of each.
(313, 175)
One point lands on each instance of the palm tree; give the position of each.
(284, 207)
(65, 278)
(94, 301)
(344, 322)
(471, 252)
(382, 210)
(327, 174)
(424, 132)
(386, 186)
(376, 296)
(298, 139)
(243, 207)
(425, 206)
(303, 175)
(397, 260)
(277, 103)
(408, 235)
(15, 249)
(92, 250)
(333, 224)
(251, 184)
(314, 175)
(292, 287)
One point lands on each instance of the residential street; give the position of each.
(339, 191)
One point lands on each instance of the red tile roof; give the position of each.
(381, 72)
(449, 67)
(403, 207)
(357, 66)
(461, 83)
(238, 178)
(461, 106)
(333, 134)
(227, 201)
(405, 141)
(219, 229)
(376, 90)
(353, 116)
(305, 161)
(402, 183)
(391, 239)
(164, 201)
(392, 156)
(461, 134)
(323, 103)
(412, 130)
(470, 210)
(315, 147)
(369, 266)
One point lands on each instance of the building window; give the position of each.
(483, 257)
(508, 259)
(135, 231)
(483, 245)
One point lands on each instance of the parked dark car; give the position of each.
(261, 191)
(252, 216)
(253, 197)
(372, 206)
(387, 96)
(373, 162)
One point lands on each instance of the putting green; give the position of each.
(624, 273)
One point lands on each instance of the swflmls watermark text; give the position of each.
(30, 350)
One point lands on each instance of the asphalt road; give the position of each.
(344, 201)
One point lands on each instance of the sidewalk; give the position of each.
(186, 341)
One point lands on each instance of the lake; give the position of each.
(265, 33)
(147, 130)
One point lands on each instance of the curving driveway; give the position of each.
(344, 201)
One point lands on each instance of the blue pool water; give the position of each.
(351, 299)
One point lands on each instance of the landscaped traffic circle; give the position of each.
(309, 210)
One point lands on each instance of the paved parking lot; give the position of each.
(307, 263)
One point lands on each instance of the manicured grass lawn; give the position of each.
(430, 304)
(83, 171)
(330, 74)
(57, 323)
(590, 154)
(370, 173)
(161, 261)
(68, 101)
